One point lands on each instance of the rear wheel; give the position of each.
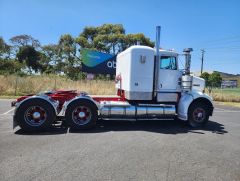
(35, 115)
(198, 114)
(81, 115)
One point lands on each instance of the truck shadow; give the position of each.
(156, 126)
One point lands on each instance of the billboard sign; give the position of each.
(97, 62)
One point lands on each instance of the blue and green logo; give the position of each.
(97, 62)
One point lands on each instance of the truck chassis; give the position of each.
(81, 111)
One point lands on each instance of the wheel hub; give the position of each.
(199, 115)
(81, 114)
(36, 115)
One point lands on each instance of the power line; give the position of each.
(226, 63)
(226, 48)
(232, 41)
(235, 51)
(223, 47)
(231, 38)
(226, 42)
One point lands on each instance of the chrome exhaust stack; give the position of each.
(187, 79)
(156, 62)
(187, 60)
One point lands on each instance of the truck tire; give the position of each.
(81, 114)
(35, 115)
(198, 114)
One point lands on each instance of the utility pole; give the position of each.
(203, 51)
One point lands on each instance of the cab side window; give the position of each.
(168, 63)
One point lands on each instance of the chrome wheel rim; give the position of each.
(81, 115)
(35, 116)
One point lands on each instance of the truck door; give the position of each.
(168, 78)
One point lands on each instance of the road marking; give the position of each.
(8, 111)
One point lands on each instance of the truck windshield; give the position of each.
(167, 62)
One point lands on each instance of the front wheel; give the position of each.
(198, 114)
(81, 115)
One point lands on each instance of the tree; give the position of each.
(68, 49)
(24, 40)
(109, 43)
(10, 66)
(211, 80)
(110, 38)
(7, 65)
(70, 62)
(85, 40)
(5, 49)
(205, 76)
(50, 59)
(29, 56)
(215, 79)
(133, 39)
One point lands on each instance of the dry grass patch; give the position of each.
(226, 95)
(35, 84)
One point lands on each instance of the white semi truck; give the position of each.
(149, 85)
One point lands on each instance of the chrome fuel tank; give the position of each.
(115, 109)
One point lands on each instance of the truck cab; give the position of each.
(147, 78)
(137, 66)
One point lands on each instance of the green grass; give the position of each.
(229, 91)
(235, 91)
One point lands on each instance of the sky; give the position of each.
(212, 25)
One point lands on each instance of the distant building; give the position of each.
(229, 84)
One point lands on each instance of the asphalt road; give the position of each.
(147, 150)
